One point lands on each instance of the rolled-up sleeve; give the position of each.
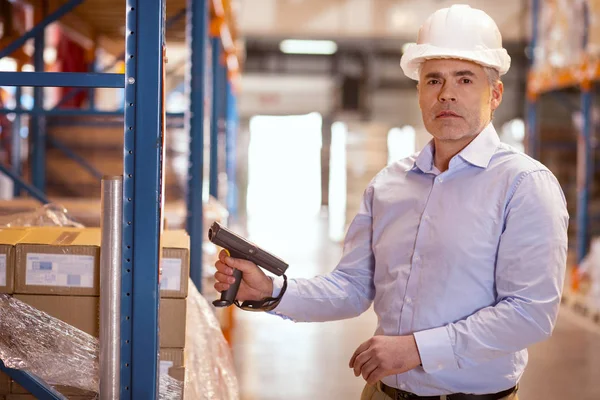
(348, 290)
(530, 271)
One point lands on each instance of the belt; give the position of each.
(397, 394)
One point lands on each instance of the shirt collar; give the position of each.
(479, 152)
(424, 160)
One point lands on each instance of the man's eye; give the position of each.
(433, 82)
(466, 80)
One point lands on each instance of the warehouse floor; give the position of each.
(277, 359)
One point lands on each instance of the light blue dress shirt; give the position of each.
(471, 261)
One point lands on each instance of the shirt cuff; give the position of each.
(435, 349)
(277, 285)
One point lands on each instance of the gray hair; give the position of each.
(492, 74)
(493, 77)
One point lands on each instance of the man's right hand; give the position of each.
(256, 285)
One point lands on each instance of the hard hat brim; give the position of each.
(416, 54)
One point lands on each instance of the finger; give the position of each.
(360, 361)
(221, 267)
(368, 368)
(360, 349)
(375, 376)
(241, 264)
(223, 253)
(224, 278)
(220, 287)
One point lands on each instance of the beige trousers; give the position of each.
(371, 392)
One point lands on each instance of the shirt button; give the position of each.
(408, 300)
(417, 258)
(426, 217)
(402, 386)
(440, 180)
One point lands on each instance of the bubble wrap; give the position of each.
(32, 340)
(47, 215)
(210, 372)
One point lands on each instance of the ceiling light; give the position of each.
(308, 46)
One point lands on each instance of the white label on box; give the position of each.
(2, 269)
(164, 367)
(171, 274)
(69, 270)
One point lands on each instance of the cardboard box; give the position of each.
(66, 261)
(171, 359)
(69, 392)
(60, 261)
(32, 397)
(9, 237)
(172, 320)
(177, 373)
(175, 264)
(82, 312)
(4, 383)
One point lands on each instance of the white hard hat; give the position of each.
(459, 32)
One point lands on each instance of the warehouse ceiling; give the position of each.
(399, 19)
(369, 35)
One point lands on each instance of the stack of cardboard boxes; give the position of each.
(57, 270)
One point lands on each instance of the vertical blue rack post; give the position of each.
(142, 197)
(531, 111)
(585, 160)
(216, 112)
(230, 150)
(532, 127)
(15, 161)
(38, 126)
(197, 34)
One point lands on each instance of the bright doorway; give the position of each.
(284, 167)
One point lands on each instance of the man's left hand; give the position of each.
(381, 356)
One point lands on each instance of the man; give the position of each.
(462, 248)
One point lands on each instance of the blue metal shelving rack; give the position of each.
(143, 201)
(144, 152)
(585, 151)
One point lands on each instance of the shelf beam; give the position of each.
(62, 79)
(39, 28)
(33, 384)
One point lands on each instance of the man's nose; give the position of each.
(445, 99)
(447, 95)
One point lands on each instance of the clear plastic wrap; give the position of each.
(560, 34)
(210, 372)
(46, 215)
(170, 388)
(593, 44)
(589, 275)
(33, 341)
(57, 352)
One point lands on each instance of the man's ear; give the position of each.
(497, 93)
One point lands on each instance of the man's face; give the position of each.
(456, 98)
